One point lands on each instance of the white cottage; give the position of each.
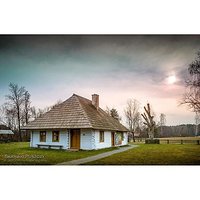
(77, 123)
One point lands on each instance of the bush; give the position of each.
(150, 141)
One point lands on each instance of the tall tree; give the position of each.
(35, 113)
(16, 102)
(27, 107)
(107, 110)
(113, 113)
(132, 115)
(192, 94)
(149, 122)
(162, 122)
(2, 115)
(197, 122)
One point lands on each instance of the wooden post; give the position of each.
(167, 141)
(198, 142)
(181, 141)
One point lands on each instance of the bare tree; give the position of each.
(162, 122)
(197, 121)
(132, 115)
(149, 122)
(16, 102)
(107, 110)
(35, 113)
(11, 117)
(27, 107)
(192, 94)
(2, 115)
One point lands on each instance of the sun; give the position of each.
(171, 79)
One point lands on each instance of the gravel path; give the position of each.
(97, 157)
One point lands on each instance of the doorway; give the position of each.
(113, 139)
(75, 139)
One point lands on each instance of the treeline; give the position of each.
(179, 130)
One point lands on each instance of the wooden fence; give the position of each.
(173, 140)
(179, 141)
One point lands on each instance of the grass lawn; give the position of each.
(155, 154)
(19, 153)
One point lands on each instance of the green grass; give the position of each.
(153, 154)
(19, 153)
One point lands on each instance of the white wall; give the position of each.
(87, 139)
(63, 140)
(107, 140)
(125, 141)
(90, 139)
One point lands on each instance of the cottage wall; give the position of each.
(107, 140)
(125, 140)
(87, 141)
(63, 140)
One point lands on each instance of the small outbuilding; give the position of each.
(5, 133)
(77, 123)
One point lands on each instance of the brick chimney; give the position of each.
(95, 101)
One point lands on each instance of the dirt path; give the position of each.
(97, 157)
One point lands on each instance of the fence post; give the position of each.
(167, 141)
(181, 141)
(198, 142)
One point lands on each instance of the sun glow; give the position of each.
(171, 79)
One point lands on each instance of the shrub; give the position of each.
(150, 141)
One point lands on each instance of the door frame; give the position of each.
(112, 138)
(71, 133)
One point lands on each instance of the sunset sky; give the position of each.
(147, 68)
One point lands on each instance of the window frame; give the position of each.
(57, 132)
(101, 136)
(43, 138)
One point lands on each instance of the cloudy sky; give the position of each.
(147, 68)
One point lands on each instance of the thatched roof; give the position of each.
(76, 112)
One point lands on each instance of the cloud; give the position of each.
(117, 67)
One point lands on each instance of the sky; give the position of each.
(149, 68)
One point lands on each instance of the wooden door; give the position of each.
(75, 138)
(113, 138)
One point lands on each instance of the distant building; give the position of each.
(5, 133)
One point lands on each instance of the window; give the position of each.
(101, 136)
(122, 135)
(55, 136)
(119, 138)
(42, 136)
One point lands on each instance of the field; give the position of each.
(19, 153)
(145, 154)
(155, 154)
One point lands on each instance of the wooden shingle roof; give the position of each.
(76, 112)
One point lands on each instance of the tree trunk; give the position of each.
(19, 126)
(133, 136)
(196, 130)
(151, 135)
